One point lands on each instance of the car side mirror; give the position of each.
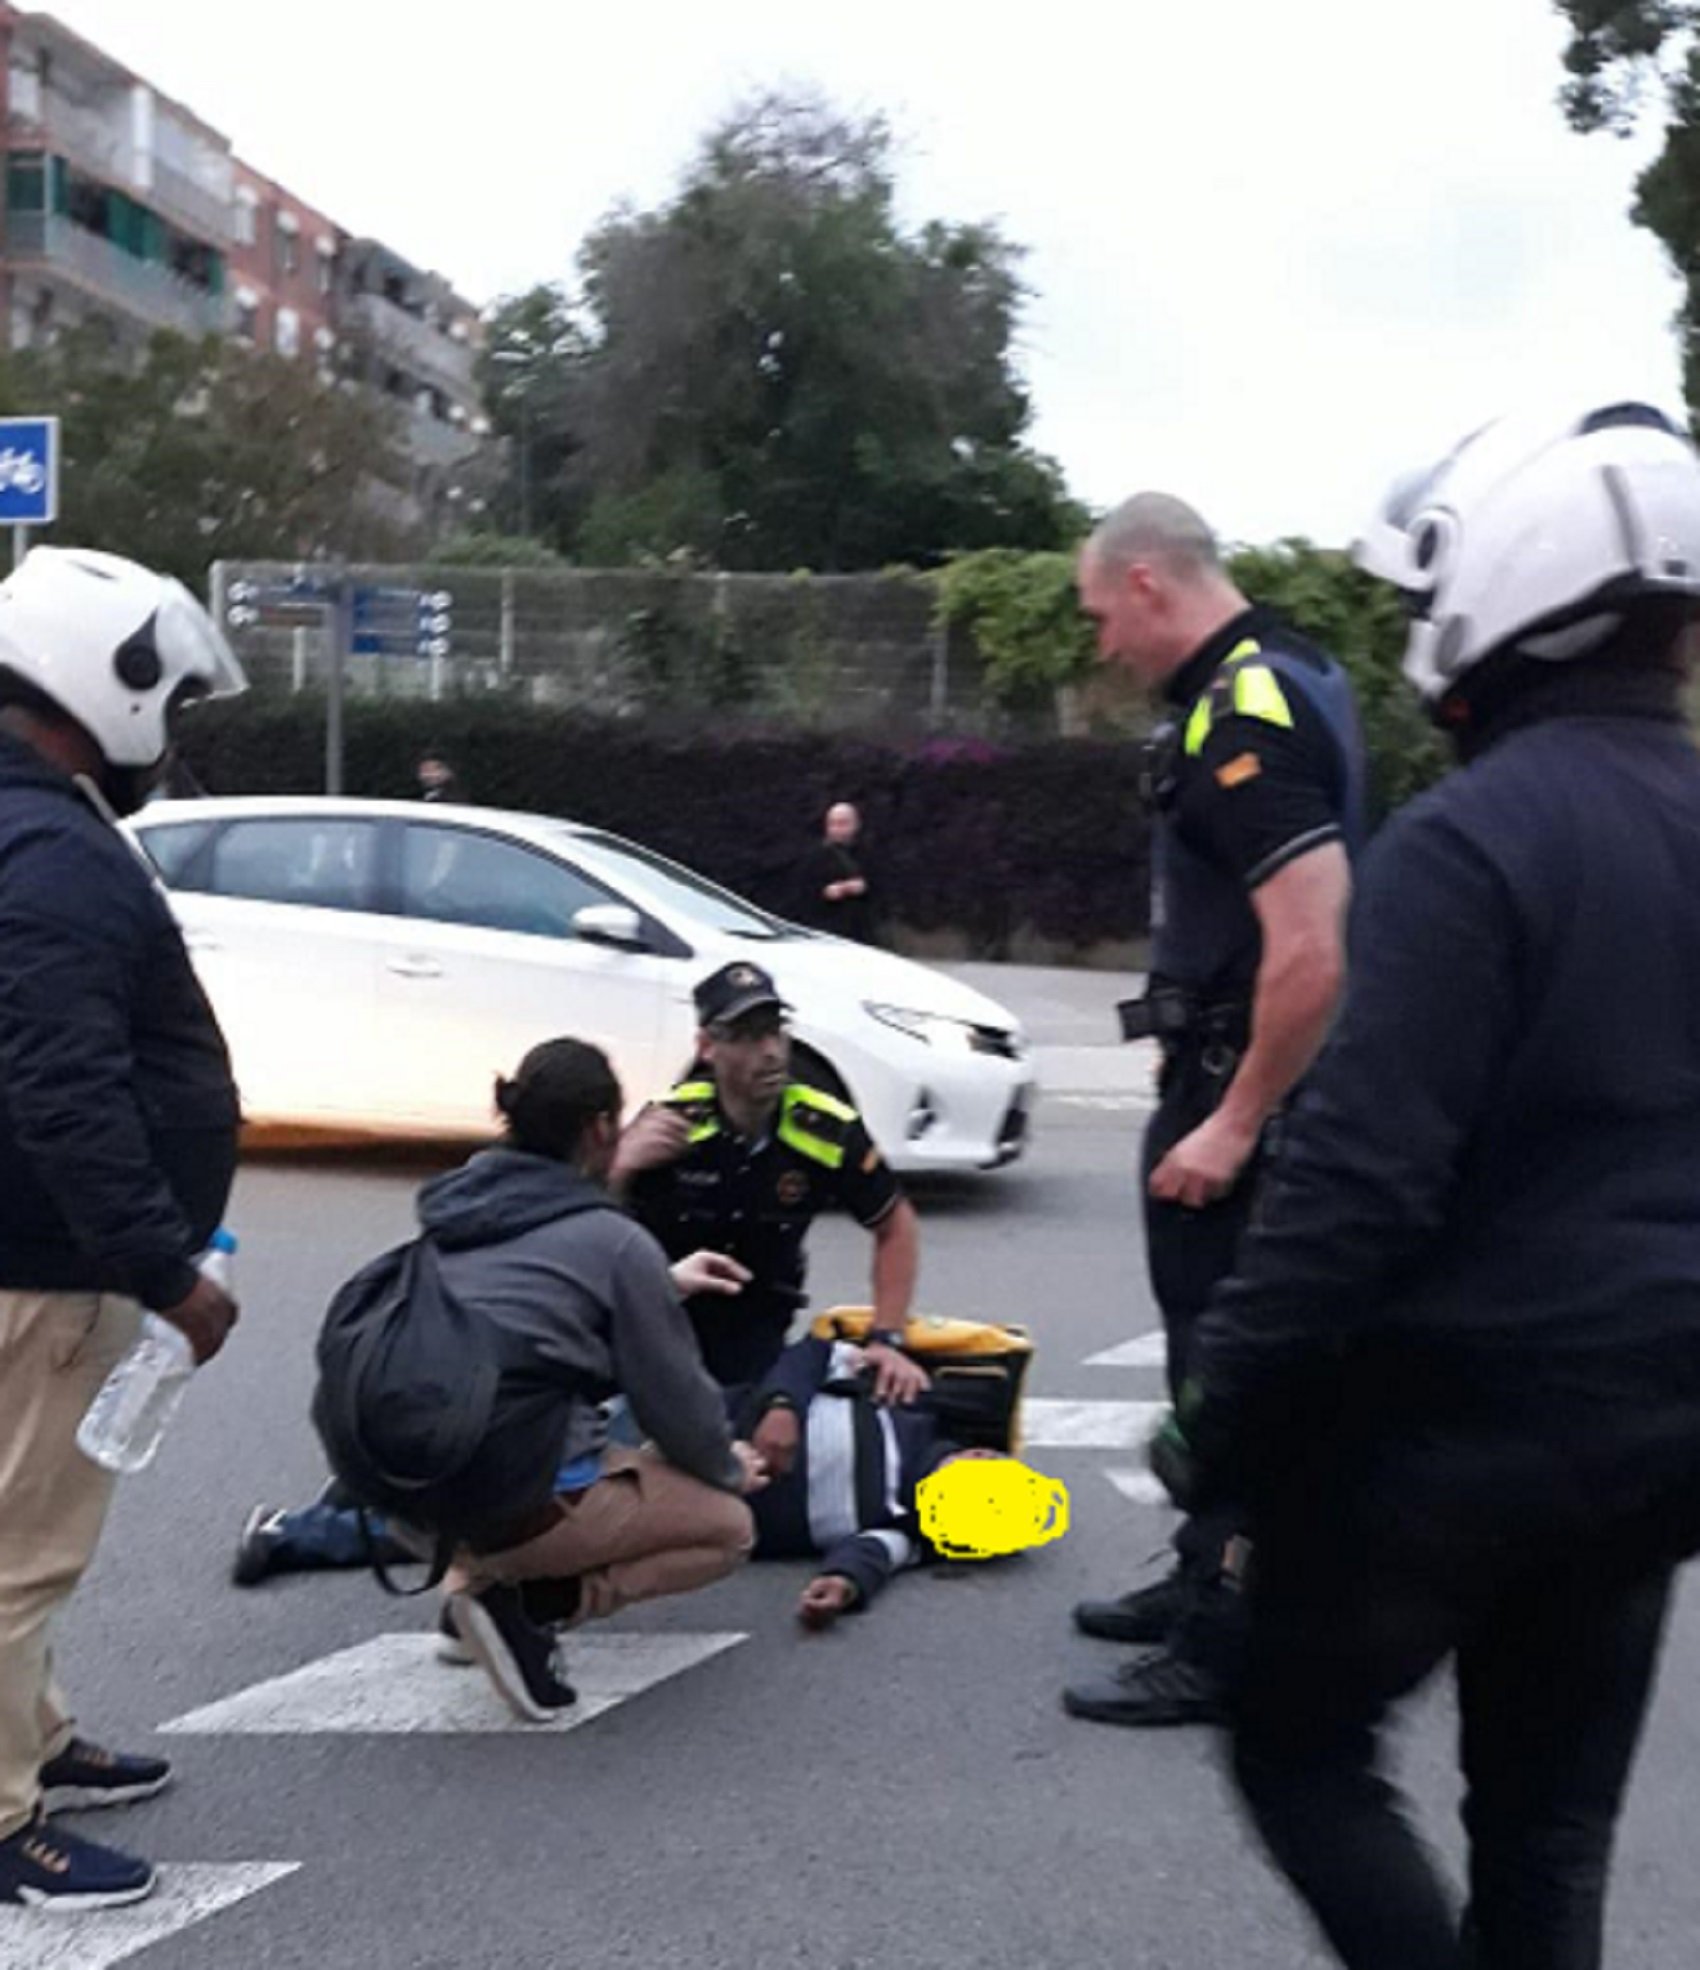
(610, 923)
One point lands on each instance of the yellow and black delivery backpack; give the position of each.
(977, 1367)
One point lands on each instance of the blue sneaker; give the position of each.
(43, 1867)
(85, 1777)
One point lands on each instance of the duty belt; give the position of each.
(1174, 1015)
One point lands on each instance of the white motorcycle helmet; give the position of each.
(113, 645)
(1538, 533)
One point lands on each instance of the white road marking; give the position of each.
(1109, 1104)
(1047, 1424)
(1139, 1486)
(397, 1684)
(1144, 1351)
(187, 1894)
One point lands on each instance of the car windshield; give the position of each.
(702, 901)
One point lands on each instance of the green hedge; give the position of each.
(986, 842)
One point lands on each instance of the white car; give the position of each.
(375, 964)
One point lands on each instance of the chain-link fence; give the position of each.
(854, 653)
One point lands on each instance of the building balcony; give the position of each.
(410, 344)
(134, 287)
(178, 198)
(98, 139)
(431, 442)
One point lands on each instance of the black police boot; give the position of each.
(1155, 1690)
(1143, 1615)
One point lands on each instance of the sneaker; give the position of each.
(450, 1647)
(513, 1651)
(257, 1547)
(86, 1776)
(1147, 1615)
(546, 1603)
(1157, 1689)
(44, 1867)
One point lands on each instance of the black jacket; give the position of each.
(118, 1115)
(1490, 1189)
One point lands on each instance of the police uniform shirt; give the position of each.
(1250, 774)
(755, 1201)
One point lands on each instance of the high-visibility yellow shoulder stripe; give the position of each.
(821, 1102)
(1258, 694)
(1198, 727)
(695, 1101)
(1249, 647)
(807, 1143)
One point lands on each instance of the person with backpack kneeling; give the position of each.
(461, 1378)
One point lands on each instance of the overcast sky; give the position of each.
(1278, 251)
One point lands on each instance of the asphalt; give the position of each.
(903, 1792)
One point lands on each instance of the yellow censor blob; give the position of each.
(981, 1507)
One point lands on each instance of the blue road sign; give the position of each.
(401, 622)
(29, 471)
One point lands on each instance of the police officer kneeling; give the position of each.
(740, 1158)
(1457, 1375)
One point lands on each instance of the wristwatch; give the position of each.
(886, 1337)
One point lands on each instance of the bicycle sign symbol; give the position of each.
(29, 471)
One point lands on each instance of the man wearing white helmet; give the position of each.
(118, 1124)
(1457, 1373)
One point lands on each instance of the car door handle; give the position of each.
(415, 967)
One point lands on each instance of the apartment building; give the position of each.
(123, 207)
(118, 200)
(283, 272)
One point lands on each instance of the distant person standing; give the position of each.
(833, 890)
(437, 778)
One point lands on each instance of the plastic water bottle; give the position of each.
(127, 1419)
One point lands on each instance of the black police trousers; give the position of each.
(1189, 1252)
(1372, 1566)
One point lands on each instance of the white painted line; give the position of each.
(1051, 1425)
(1138, 1486)
(396, 1684)
(31, 1940)
(1107, 1104)
(1144, 1351)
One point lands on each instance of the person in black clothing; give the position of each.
(1457, 1372)
(1256, 786)
(832, 884)
(118, 1125)
(437, 778)
(739, 1158)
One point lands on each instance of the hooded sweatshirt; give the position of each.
(549, 1257)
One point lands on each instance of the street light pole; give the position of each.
(525, 460)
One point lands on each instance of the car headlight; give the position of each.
(938, 1029)
(933, 1029)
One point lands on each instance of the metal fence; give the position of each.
(842, 653)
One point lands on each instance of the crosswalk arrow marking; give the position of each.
(396, 1684)
(33, 1940)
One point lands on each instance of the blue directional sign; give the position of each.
(401, 622)
(303, 596)
(29, 471)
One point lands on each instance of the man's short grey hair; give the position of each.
(1154, 526)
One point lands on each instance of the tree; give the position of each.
(209, 451)
(768, 372)
(1621, 52)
